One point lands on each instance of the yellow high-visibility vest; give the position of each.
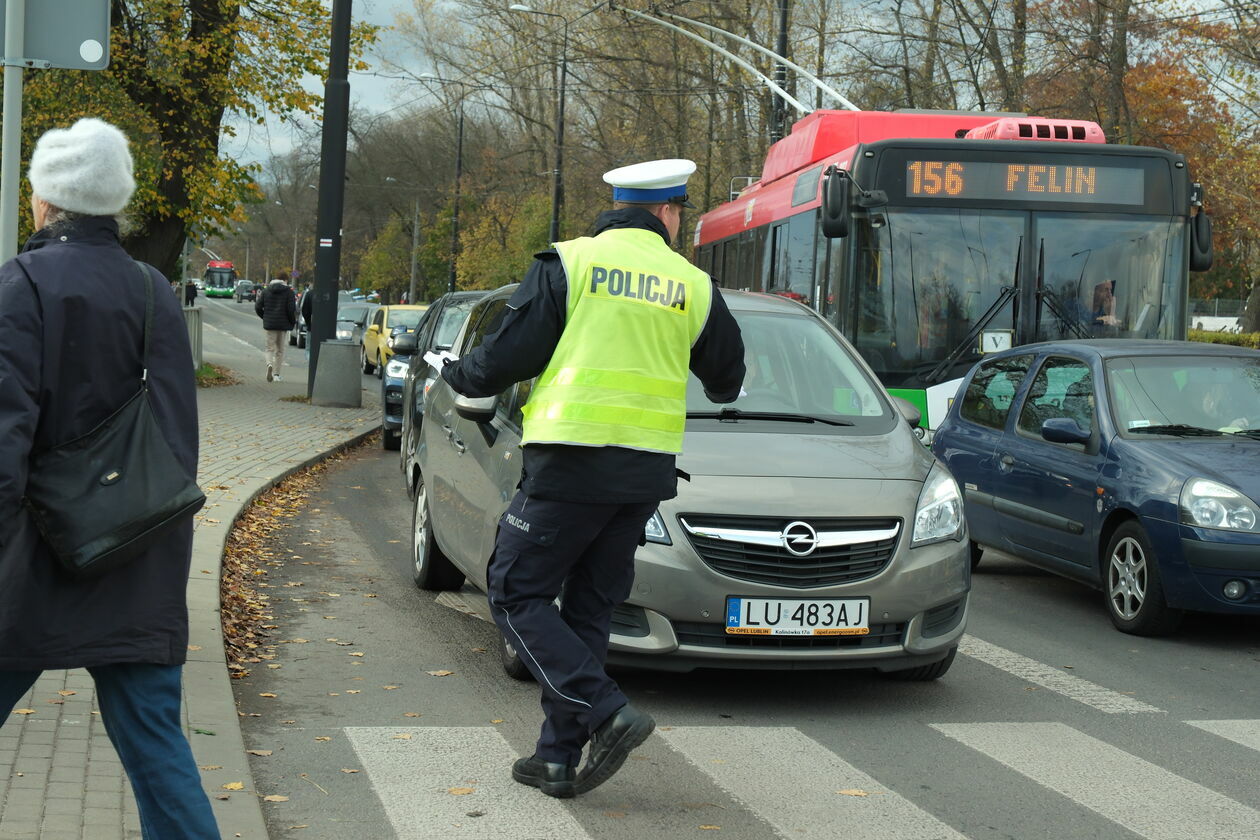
(618, 376)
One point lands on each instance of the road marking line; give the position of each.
(413, 777)
(1072, 687)
(794, 783)
(235, 338)
(1244, 732)
(1130, 791)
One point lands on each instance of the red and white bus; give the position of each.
(966, 233)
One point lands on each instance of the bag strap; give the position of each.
(148, 319)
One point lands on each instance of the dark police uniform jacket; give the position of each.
(523, 345)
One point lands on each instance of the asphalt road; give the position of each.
(1051, 724)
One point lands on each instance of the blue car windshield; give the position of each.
(1208, 392)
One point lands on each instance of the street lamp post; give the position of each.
(557, 188)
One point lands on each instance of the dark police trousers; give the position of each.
(586, 550)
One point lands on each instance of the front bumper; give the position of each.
(391, 404)
(1196, 563)
(674, 617)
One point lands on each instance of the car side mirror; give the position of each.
(405, 343)
(908, 410)
(476, 409)
(375, 328)
(1064, 430)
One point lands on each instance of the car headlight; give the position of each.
(655, 531)
(939, 514)
(1210, 504)
(389, 342)
(396, 368)
(344, 335)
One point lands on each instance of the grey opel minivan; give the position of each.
(813, 529)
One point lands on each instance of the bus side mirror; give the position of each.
(835, 204)
(1200, 241)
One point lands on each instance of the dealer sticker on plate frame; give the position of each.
(798, 617)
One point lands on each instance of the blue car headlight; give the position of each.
(1210, 504)
(939, 513)
(397, 368)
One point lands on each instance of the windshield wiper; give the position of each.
(737, 414)
(1251, 433)
(1176, 429)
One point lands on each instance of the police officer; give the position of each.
(610, 325)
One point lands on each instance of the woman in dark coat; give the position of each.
(71, 325)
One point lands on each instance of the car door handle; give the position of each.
(450, 433)
(459, 446)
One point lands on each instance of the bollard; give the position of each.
(192, 320)
(338, 379)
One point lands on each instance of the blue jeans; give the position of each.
(140, 709)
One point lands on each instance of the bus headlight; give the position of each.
(939, 514)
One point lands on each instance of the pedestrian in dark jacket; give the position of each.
(190, 293)
(72, 308)
(277, 307)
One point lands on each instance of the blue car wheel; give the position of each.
(1132, 584)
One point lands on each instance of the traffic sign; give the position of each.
(71, 34)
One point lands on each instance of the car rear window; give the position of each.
(992, 389)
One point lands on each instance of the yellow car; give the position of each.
(377, 337)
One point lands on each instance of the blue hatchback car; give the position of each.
(1133, 466)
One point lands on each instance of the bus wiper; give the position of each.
(1176, 429)
(1058, 310)
(737, 414)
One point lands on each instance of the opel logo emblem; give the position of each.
(800, 538)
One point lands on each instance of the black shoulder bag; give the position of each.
(102, 499)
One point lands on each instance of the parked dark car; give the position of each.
(244, 291)
(297, 335)
(1132, 466)
(393, 375)
(441, 324)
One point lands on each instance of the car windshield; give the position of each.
(357, 314)
(451, 319)
(405, 318)
(796, 366)
(1176, 395)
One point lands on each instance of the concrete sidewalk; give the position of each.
(59, 776)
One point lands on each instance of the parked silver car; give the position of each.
(812, 530)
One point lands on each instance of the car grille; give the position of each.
(752, 549)
(715, 636)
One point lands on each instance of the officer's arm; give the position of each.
(717, 357)
(524, 342)
(21, 349)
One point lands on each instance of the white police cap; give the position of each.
(652, 182)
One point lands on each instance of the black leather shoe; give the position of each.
(550, 777)
(611, 743)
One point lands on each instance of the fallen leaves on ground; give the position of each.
(460, 791)
(23, 711)
(323, 738)
(403, 736)
(259, 752)
(853, 792)
(234, 786)
(411, 714)
(212, 767)
(67, 693)
(439, 673)
(275, 797)
(348, 770)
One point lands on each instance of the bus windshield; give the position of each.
(219, 278)
(926, 277)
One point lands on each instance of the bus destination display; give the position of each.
(1024, 181)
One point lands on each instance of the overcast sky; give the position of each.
(367, 91)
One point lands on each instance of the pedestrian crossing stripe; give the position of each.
(1053, 679)
(1146, 799)
(825, 792)
(430, 779)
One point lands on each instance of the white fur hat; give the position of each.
(85, 168)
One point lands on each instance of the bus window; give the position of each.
(792, 271)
